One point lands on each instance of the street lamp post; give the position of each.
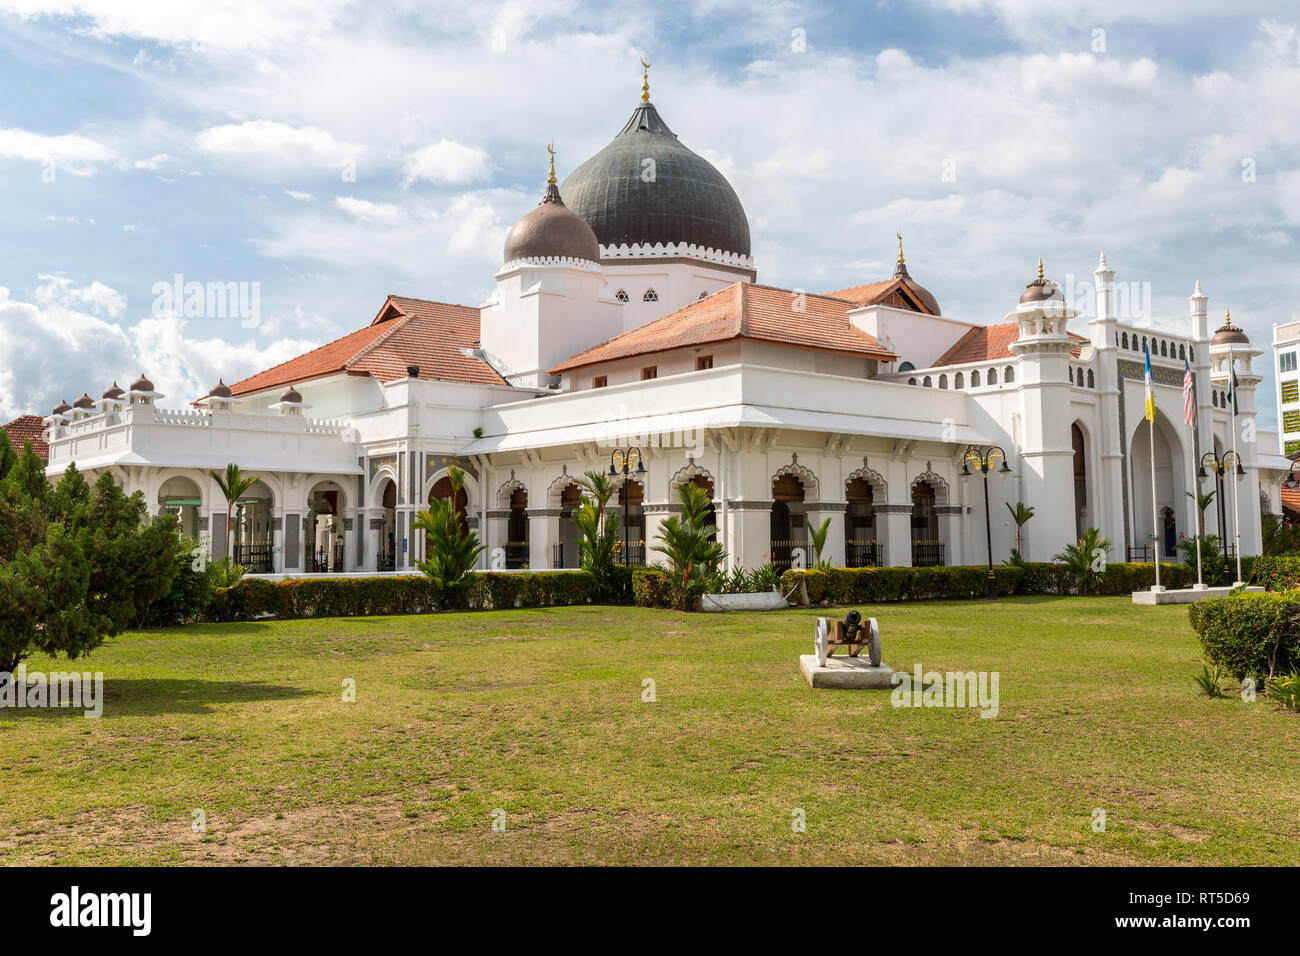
(1220, 465)
(985, 461)
(625, 460)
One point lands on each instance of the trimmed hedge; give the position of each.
(407, 594)
(1243, 632)
(885, 584)
(1276, 572)
(650, 588)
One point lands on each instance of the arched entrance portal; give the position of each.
(1080, 481)
(517, 531)
(180, 496)
(565, 551)
(861, 548)
(441, 491)
(387, 558)
(251, 529)
(1171, 464)
(788, 531)
(927, 549)
(324, 538)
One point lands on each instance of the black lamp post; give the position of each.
(1290, 481)
(1220, 465)
(984, 462)
(625, 459)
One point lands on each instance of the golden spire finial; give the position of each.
(900, 247)
(645, 80)
(1227, 317)
(550, 177)
(1040, 267)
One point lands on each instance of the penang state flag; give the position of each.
(1151, 394)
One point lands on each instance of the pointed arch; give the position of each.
(507, 490)
(804, 475)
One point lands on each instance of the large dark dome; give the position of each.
(685, 201)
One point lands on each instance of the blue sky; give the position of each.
(217, 141)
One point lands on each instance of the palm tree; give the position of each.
(1203, 503)
(450, 550)
(1020, 514)
(1084, 557)
(818, 538)
(232, 484)
(686, 542)
(598, 549)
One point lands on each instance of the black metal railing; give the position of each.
(863, 554)
(1229, 550)
(635, 554)
(927, 554)
(387, 561)
(516, 555)
(783, 553)
(1142, 555)
(328, 562)
(255, 557)
(560, 554)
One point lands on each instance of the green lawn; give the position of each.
(539, 713)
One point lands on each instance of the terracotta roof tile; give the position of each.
(28, 428)
(405, 332)
(743, 310)
(987, 342)
(1291, 502)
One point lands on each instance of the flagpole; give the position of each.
(1155, 518)
(1236, 463)
(1195, 418)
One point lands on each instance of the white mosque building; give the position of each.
(628, 314)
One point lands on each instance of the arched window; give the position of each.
(975, 378)
(993, 376)
(1124, 340)
(704, 295)
(1214, 399)
(1182, 351)
(1164, 349)
(621, 295)
(906, 367)
(959, 381)
(927, 383)
(1191, 354)
(1010, 375)
(650, 296)
(943, 381)
(1144, 342)
(1092, 382)
(911, 381)
(1135, 343)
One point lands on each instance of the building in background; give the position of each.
(1286, 346)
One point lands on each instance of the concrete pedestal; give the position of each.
(846, 673)
(1185, 595)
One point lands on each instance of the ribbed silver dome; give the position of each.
(676, 197)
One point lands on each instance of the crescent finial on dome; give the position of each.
(645, 80)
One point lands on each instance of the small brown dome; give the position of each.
(114, 392)
(552, 230)
(1229, 334)
(220, 390)
(291, 395)
(1041, 289)
(142, 384)
(84, 402)
(62, 408)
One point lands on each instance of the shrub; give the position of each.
(1285, 689)
(187, 600)
(1276, 572)
(651, 588)
(404, 594)
(1249, 635)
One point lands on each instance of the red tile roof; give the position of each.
(892, 292)
(743, 310)
(1291, 502)
(28, 428)
(404, 332)
(986, 342)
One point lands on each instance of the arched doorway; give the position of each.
(387, 556)
(181, 497)
(517, 530)
(1080, 481)
(251, 529)
(631, 493)
(705, 484)
(1170, 483)
(441, 491)
(788, 532)
(861, 547)
(324, 524)
(565, 551)
(1169, 532)
(927, 549)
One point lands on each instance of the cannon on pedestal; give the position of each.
(851, 633)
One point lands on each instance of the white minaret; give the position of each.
(1107, 473)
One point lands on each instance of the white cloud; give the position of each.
(380, 212)
(59, 290)
(265, 141)
(446, 162)
(78, 155)
(53, 351)
(299, 195)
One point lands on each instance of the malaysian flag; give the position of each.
(1189, 406)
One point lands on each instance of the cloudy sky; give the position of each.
(325, 153)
